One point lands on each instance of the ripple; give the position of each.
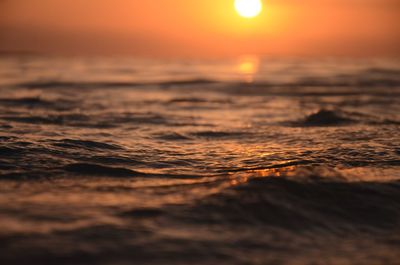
(325, 118)
(219, 134)
(100, 170)
(172, 137)
(142, 213)
(70, 143)
(312, 204)
(37, 102)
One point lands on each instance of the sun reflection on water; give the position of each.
(248, 67)
(242, 178)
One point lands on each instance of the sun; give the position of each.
(248, 8)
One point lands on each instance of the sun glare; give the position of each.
(248, 8)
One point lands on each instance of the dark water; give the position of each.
(121, 161)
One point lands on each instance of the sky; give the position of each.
(206, 28)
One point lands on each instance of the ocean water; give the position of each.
(242, 161)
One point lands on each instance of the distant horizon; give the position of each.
(32, 53)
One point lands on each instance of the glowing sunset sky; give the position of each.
(200, 28)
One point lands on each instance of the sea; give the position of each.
(250, 160)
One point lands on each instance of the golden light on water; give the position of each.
(248, 8)
(248, 66)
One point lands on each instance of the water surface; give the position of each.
(248, 161)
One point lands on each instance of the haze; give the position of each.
(207, 28)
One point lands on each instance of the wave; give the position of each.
(383, 71)
(142, 213)
(71, 143)
(172, 137)
(37, 102)
(114, 84)
(100, 170)
(91, 121)
(367, 78)
(198, 100)
(303, 82)
(305, 203)
(74, 120)
(88, 169)
(219, 134)
(328, 118)
(9, 151)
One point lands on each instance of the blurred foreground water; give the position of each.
(248, 161)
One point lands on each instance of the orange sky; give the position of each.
(204, 28)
